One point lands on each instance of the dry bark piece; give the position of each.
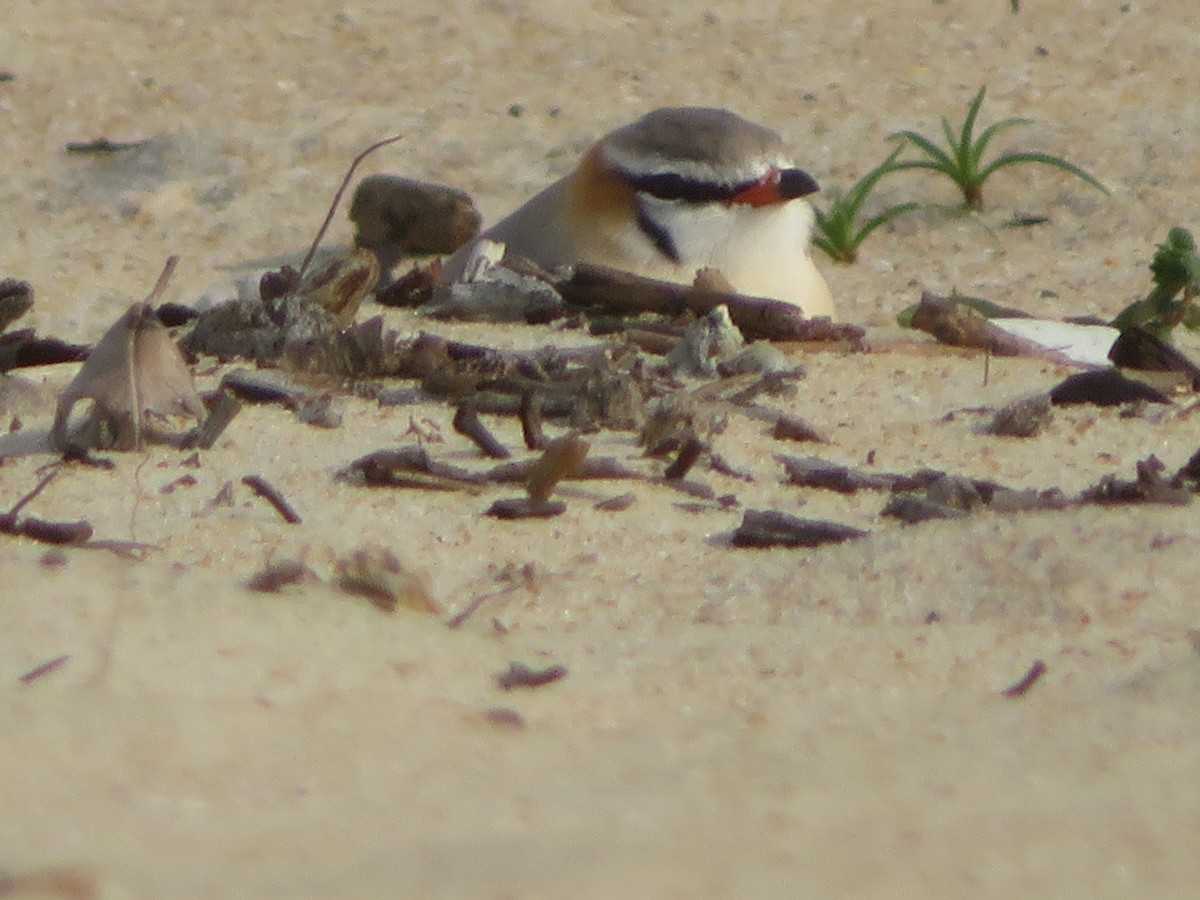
(531, 421)
(103, 145)
(794, 428)
(519, 675)
(24, 349)
(275, 576)
(497, 294)
(34, 674)
(1022, 418)
(956, 323)
(268, 492)
(758, 317)
(525, 508)
(134, 373)
(1103, 387)
(561, 459)
(413, 288)
(769, 528)
(1137, 348)
(502, 717)
(706, 342)
(1149, 487)
(619, 503)
(341, 285)
(1028, 680)
(468, 423)
(912, 509)
(380, 576)
(397, 217)
(593, 467)
(222, 413)
(16, 299)
(410, 466)
(689, 453)
(812, 471)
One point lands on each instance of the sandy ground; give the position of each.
(734, 723)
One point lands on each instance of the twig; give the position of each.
(260, 486)
(467, 422)
(531, 421)
(471, 608)
(44, 669)
(520, 675)
(1036, 671)
(592, 285)
(337, 198)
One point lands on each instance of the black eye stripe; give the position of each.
(659, 236)
(792, 183)
(673, 186)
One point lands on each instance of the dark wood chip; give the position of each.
(519, 675)
(1022, 418)
(1028, 680)
(44, 669)
(794, 428)
(769, 528)
(911, 509)
(1136, 348)
(619, 503)
(268, 492)
(525, 508)
(1103, 387)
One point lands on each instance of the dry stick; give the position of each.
(11, 516)
(471, 608)
(467, 422)
(531, 421)
(135, 394)
(260, 486)
(591, 285)
(1036, 671)
(337, 198)
(688, 454)
(44, 669)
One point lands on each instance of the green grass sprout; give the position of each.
(962, 162)
(1176, 272)
(838, 231)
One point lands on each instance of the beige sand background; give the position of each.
(766, 724)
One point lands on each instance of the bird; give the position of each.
(679, 190)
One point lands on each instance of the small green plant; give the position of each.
(962, 163)
(1176, 272)
(838, 231)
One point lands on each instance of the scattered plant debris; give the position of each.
(519, 675)
(1022, 418)
(40, 529)
(268, 492)
(275, 576)
(502, 717)
(380, 576)
(44, 669)
(467, 423)
(134, 373)
(769, 528)
(1136, 348)
(1028, 680)
(756, 317)
(1103, 387)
